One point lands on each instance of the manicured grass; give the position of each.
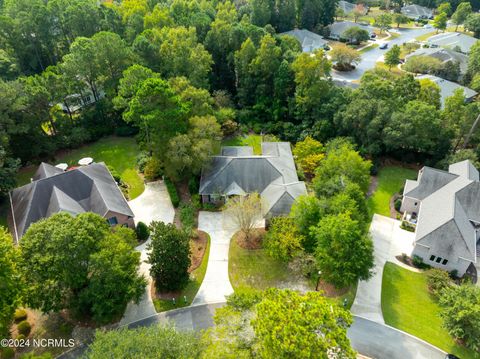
(390, 181)
(394, 70)
(196, 279)
(246, 140)
(426, 36)
(368, 48)
(118, 152)
(408, 306)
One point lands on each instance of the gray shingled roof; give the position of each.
(449, 202)
(444, 55)
(308, 40)
(453, 39)
(273, 175)
(85, 189)
(338, 28)
(416, 11)
(447, 88)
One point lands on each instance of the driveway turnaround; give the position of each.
(153, 204)
(382, 341)
(216, 285)
(389, 240)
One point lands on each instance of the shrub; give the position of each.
(24, 327)
(7, 353)
(153, 169)
(437, 280)
(454, 274)
(20, 315)
(125, 131)
(244, 298)
(229, 127)
(142, 159)
(142, 231)
(283, 240)
(193, 185)
(398, 204)
(172, 191)
(20, 337)
(187, 217)
(418, 262)
(114, 174)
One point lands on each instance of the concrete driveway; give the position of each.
(153, 204)
(389, 240)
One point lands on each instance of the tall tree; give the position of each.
(460, 15)
(245, 211)
(440, 21)
(392, 57)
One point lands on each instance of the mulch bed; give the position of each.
(330, 290)
(254, 242)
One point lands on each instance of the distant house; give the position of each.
(447, 88)
(238, 172)
(417, 12)
(444, 55)
(348, 7)
(308, 40)
(445, 206)
(338, 28)
(453, 40)
(75, 102)
(85, 189)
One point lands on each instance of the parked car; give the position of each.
(373, 35)
(383, 46)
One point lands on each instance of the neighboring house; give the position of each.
(447, 88)
(417, 12)
(348, 7)
(453, 40)
(447, 207)
(85, 189)
(238, 172)
(308, 40)
(443, 55)
(338, 28)
(75, 102)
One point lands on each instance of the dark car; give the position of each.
(451, 356)
(383, 46)
(373, 35)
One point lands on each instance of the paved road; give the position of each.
(367, 337)
(389, 240)
(380, 341)
(153, 204)
(369, 58)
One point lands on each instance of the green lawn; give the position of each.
(368, 48)
(118, 152)
(426, 36)
(246, 140)
(390, 181)
(408, 306)
(196, 279)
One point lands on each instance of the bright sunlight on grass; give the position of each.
(246, 140)
(390, 181)
(408, 306)
(118, 152)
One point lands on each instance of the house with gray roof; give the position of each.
(453, 40)
(417, 12)
(445, 206)
(348, 7)
(444, 55)
(238, 172)
(85, 189)
(338, 28)
(307, 39)
(447, 88)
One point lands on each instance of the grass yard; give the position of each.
(368, 48)
(196, 279)
(426, 36)
(118, 152)
(408, 306)
(246, 140)
(394, 70)
(390, 181)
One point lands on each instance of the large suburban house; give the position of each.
(417, 12)
(238, 172)
(445, 206)
(84, 189)
(338, 28)
(308, 40)
(447, 88)
(348, 7)
(444, 55)
(453, 40)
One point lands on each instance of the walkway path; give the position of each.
(389, 240)
(152, 205)
(216, 284)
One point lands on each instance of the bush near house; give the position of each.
(20, 315)
(172, 191)
(24, 327)
(152, 169)
(437, 280)
(142, 232)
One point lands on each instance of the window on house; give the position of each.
(112, 221)
(432, 258)
(438, 260)
(445, 261)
